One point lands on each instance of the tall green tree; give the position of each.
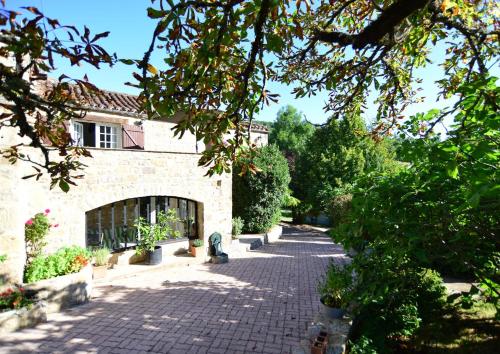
(336, 156)
(290, 131)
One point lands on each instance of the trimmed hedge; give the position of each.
(258, 198)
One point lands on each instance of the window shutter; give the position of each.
(65, 126)
(133, 137)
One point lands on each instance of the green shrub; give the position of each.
(101, 256)
(258, 197)
(439, 212)
(402, 297)
(237, 226)
(340, 209)
(363, 345)
(65, 261)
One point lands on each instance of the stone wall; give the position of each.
(159, 134)
(111, 175)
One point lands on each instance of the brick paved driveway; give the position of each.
(258, 303)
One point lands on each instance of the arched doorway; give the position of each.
(112, 225)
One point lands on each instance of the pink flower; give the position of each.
(56, 225)
(47, 211)
(29, 222)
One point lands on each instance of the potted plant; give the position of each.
(194, 245)
(100, 256)
(334, 290)
(151, 234)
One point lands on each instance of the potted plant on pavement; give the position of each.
(195, 245)
(334, 290)
(100, 256)
(151, 234)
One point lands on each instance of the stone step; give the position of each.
(132, 270)
(252, 243)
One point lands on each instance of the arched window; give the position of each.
(112, 225)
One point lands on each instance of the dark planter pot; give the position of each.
(154, 257)
(332, 312)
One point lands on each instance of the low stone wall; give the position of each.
(274, 234)
(64, 291)
(174, 247)
(169, 248)
(126, 257)
(13, 320)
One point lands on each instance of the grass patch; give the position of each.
(472, 331)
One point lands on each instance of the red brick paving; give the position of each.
(261, 302)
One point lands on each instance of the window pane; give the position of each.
(108, 136)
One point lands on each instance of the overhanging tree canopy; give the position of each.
(27, 50)
(221, 55)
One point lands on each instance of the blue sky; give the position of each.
(130, 35)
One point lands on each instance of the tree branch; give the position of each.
(375, 31)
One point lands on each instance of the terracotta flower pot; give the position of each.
(195, 250)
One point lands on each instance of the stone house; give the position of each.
(137, 168)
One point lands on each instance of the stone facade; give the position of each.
(166, 167)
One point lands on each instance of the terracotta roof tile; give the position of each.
(109, 101)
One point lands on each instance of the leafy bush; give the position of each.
(340, 207)
(439, 213)
(363, 345)
(258, 198)
(151, 234)
(101, 256)
(402, 298)
(237, 227)
(335, 286)
(14, 298)
(65, 261)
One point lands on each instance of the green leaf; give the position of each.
(127, 61)
(64, 186)
(452, 170)
(153, 13)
